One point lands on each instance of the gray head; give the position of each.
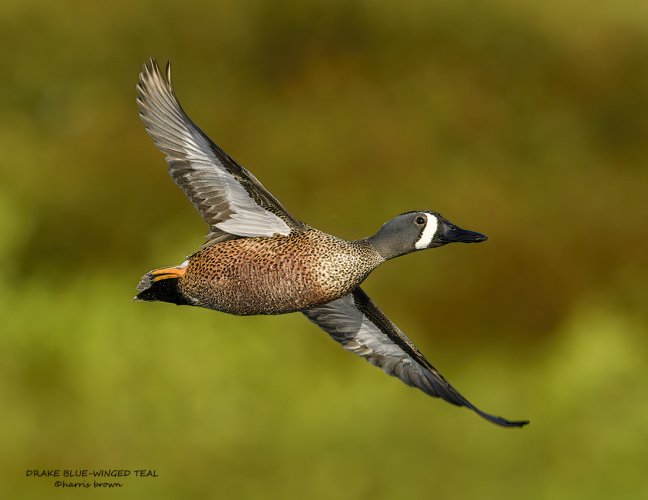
(414, 231)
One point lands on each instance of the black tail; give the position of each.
(162, 289)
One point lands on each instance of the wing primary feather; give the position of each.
(209, 176)
(361, 327)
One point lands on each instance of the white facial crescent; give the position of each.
(428, 233)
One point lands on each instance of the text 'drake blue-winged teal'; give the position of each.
(259, 259)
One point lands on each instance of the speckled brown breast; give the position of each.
(276, 275)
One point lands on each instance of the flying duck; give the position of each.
(259, 259)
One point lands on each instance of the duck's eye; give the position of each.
(420, 220)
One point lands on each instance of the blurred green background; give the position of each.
(525, 120)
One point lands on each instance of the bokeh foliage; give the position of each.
(526, 121)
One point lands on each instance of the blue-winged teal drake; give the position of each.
(259, 259)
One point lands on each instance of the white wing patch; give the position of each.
(358, 335)
(254, 224)
(248, 219)
(428, 233)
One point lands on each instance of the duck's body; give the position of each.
(276, 275)
(259, 259)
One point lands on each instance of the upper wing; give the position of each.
(229, 198)
(356, 322)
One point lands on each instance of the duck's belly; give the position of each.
(273, 276)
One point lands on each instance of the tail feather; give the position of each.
(146, 282)
(161, 285)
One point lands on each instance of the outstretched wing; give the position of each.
(356, 322)
(230, 199)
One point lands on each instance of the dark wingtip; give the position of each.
(168, 72)
(509, 423)
(441, 388)
(499, 420)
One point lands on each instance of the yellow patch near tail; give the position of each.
(168, 272)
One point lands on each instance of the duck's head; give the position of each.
(414, 231)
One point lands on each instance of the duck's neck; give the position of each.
(386, 245)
